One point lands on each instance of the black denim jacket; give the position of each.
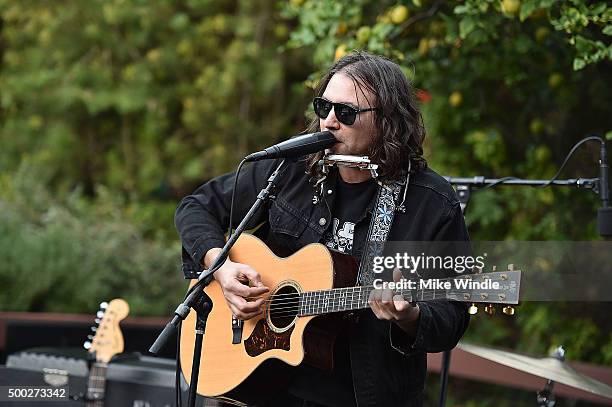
(388, 367)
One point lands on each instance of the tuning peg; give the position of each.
(473, 309)
(87, 345)
(508, 310)
(490, 309)
(94, 329)
(90, 337)
(103, 305)
(100, 314)
(97, 321)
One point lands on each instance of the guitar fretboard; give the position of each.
(96, 384)
(352, 298)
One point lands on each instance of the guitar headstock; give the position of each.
(108, 340)
(496, 287)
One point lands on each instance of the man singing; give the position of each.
(369, 106)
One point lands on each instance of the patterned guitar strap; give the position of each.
(380, 225)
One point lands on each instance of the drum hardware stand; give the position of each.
(545, 397)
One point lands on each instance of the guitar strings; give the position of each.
(335, 294)
(333, 291)
(356, 289)
(352, 302)
(290, 304)
(295, 309)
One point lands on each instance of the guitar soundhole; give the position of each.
(284, 307)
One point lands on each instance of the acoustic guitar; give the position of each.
(106, 343)
(304, 288)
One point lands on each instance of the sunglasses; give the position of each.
(344, 113)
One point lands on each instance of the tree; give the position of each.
(145, 98)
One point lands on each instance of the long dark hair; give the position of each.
(397, 118)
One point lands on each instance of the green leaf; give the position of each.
(466, 26)
(527, 8)
(584, 46)
(579, 64)
(598, 9)
(462, 9)
(607, 30)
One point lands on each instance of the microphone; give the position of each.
(295, 147)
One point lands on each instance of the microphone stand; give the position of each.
(464, 190)
(200, 302)
(465, 185)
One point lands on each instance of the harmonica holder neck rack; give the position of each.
(351, 161)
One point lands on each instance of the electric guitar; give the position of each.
(304, 288)
(106, 343)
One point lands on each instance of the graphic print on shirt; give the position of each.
(340, 239)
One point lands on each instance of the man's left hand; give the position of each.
(390, 307)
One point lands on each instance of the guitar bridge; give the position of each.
(236, 330)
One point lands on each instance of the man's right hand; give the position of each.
(241, 286)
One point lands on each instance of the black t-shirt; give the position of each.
(349, 206)
(336, 388)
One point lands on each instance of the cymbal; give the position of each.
(549, 368)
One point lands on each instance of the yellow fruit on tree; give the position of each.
(455, 99)
(423, 46)
(184, 48)
(341, 29)
(542, 154)
(479, 136)
(281, 31)
(536, 126)
(399, 14)
(510, 7)
(555, 79)
(437, 28)
(340, 51)
(154, 55)
(92, 30)
(363, 34)
(541, 34)
(539, 14)
(44, 37)
(188, 103)
(383, 19)
(35, 122)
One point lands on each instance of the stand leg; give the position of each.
(545, 397)
(464, 193)
(446, 356)
(202, 310)
(195, 370)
